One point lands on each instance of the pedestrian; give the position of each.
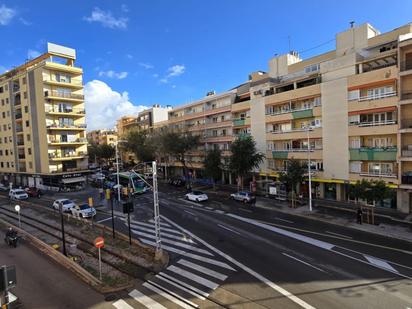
(359, 215)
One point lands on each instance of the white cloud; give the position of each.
(147, 66)
(176, 70)
(107, 19)
(164, 80)
(6, 15)
(124, 8)
(129, 56)
(104, 105)
(31, 54)
(24, 21)
(113, 74)
(155, 75)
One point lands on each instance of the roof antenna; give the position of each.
(351, 23)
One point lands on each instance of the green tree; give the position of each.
(139, 142)
(359, 190)
(213, 165)
(106, 152)
(245, 156)
(293, 175)
(178, 144)
(379, 191)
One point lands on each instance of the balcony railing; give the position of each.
(373, 154)
(293, 130)
(373, 173)
(20, 143)
(239, 122)
(21, 156)
(67, 126)
(406, 124)
(406, 65)
(19, 129)
(377, 96)
(377, 123)
(66, 110)
(66, 155)
(61, 140)
(72, 82)
(18, 116)
(69, 95)
(407, 178)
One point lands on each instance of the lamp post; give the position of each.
(62, 228)
(310, 176)
(17, 209)
(117, 168)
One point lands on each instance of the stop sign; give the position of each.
(99, 242)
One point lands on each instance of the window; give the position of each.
(28, 137)
(1, 90)
(5, 139)
(25, 95)
(6, 87)
(30, 164)
(1, 164)
(10, 139)
(380, 92)
(4, 114)
(26, 109)
(8, 164)
(6, 152)
(27, 123)
(312, 68)
(2, 102)
(7, 100)
(380, 168)
(1, 152)
(4, 127)
(24, 81)
(353, 95)
(29, 151)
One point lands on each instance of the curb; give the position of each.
(336, 223)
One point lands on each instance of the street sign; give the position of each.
(99, 242)
(8, 278)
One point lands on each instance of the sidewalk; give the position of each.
(388, 222)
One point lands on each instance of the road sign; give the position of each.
(99, 242)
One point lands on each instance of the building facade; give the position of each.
(42, 137)
(352, 107)
(102, 137)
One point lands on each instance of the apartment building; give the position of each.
(102, 137)
(352, 107)
(42, 137)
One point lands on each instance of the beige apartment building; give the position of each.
(353, 104)
(102, 137)
(42, 121)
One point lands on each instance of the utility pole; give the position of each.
(117, 172)
(310, 176)
(62, 228)
(156, 209)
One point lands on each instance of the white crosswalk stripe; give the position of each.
(202, 269)
(179, 244)
(163, 235)
(169, 295)
(180, 285)
(121, 304)
(145, 229)
(210, 284)
(137, 224)
(161, 223)
(164, 275)
(145, 300)
(193, 256)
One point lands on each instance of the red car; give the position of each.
(33, 192)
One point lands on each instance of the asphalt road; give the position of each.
(226, 254)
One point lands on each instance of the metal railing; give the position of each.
(62, 140)
(373, 173)
(406, 95)
(66, 155)
(67, 126)
(377, 123)
(72, 82)
(377, 96)
(66, 110)
(60, 94)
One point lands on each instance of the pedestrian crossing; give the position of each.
(187, 282)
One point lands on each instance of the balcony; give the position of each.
(239, 122)
(64, 95)
(70, 83)
(407, 178)
(304, 113)
(67, 127)
(20, 142)
(18, 116)
(373, 154)
(71, 111)
(19, 129)
(372, 173)
(22, 156)
(377, 96)
(55, 156)
(241, 135)
(406, 65)
(406, 95)
(58, 141)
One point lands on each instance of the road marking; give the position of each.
(161, 223)
(209, 208)
(380, 263)
(303, 262)
(202, 269)
(179, 244)
(181, 272)
(247, 210)
(137, 224)
(315, 242)
(219, 211)
(140, 228)
(121, 304)
(229, 229)
(100, 221)
(284, 220)
(204, 294)
(190, 202)
(258, 276)
(181, 238)
(145, 300)
(337, 234)
(172, 296)
(183, 288)
(189, 212)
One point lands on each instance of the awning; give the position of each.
(73, 180)
(373, 110)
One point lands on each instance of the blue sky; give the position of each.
(171, 52)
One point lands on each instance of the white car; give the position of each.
(196, 196)
(66, 204)
(83, 211)
(18, 194)
(3, 187)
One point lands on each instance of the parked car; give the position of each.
(33, 192)
(196, 196)
(83, 211)
(66, 204)
(18, 194)
(3, 187)
(243, 196)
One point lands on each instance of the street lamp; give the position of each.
(62, 227)
(17, 209)
(117, 168)
(310, 176)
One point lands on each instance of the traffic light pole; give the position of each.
(156, 209)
